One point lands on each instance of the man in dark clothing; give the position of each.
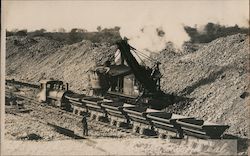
(13, 100)
(85, 125)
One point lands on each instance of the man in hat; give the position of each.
(85, 125)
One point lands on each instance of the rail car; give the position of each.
(139, 118)
(128, 94)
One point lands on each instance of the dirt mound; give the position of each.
(35, 46)
(215, 78)
(23, 54)
(31, 59)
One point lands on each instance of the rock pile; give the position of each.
(215, 77)
(34, 59)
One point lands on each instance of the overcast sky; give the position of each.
(130, 16)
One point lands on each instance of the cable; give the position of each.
(146, 56)
(139, 57)
(142, 54)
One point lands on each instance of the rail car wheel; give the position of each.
(118, 124)
(142, 130)
(162, 136)
(97, 118)
(179, 135)
(92, 116)
(135, 129)
(112, 122)
(66, 106)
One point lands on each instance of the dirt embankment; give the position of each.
(37, 58)
(215, 77)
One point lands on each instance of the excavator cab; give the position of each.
(114, 79)
(130, 81)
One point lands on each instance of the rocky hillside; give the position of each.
(39, 57)
(214, 78)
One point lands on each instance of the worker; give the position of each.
(85, 125)
(13, 100)
(156, 75)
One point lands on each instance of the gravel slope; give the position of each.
(37, 58)
(215, 78)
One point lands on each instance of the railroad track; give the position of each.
(35, 105)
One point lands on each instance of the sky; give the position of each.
(131, 16)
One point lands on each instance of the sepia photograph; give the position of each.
(125, 77)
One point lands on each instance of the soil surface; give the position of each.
(120, 147)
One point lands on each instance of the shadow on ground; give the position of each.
(31, 136)
(66, 132)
